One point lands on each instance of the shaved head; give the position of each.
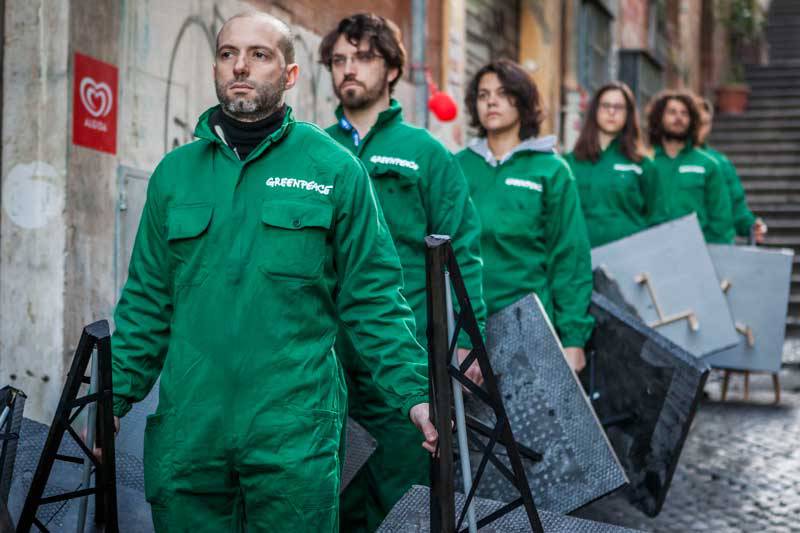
(286, 41)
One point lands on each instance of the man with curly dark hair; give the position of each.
(421, 191)
(690, 178)
(533, 233)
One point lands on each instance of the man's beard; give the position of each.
(265, 102)
(676, 136)
(351, 100)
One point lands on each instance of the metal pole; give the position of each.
(90, 433)
(461, 423)
(418, 20)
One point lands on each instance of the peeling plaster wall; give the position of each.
(33, 222)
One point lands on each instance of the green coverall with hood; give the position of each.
(533, 234)
(619, 197)
(743, 218)
(422, 191)
(693, 183)
(241, 277)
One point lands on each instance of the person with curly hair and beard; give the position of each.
(691, 179)
(533, 234)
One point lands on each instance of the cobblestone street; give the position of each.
(740, 468)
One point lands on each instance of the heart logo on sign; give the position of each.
(97, 98)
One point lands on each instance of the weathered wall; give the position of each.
(90, 195)
(632, 16)
(541, 55)
(33, 224)
(64, 232)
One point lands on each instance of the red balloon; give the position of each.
(443, 106)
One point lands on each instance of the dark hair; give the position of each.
(383, 35)
(588, 143)
(523, 91)
(286, 40)
(655, 115)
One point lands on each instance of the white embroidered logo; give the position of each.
(693, 169)
(629, 168)
(396, 161)
(293, 183)
(526, 184)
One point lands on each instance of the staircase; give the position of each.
(764, 142)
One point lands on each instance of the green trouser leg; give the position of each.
(283, 475)
(398, 462)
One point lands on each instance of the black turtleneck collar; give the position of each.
(243, 137)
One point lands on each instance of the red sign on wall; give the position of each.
(94, 104)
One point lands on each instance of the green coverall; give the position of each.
(743, 218)
(619, 197)
(241, 276)
(533, 234)
(422, 191)
(693, 183)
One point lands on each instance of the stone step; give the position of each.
(772, 71)
(768, 171)
(762, 92)
(743, 147)
(772, 186)
(759, 114)
(758, 103)
(773, 83)
(755, 198)
(744, 123)
(757, 136)
(775, 210)
(742, 161)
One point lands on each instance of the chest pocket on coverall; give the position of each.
(295, 235)
(692, 180)
(521, 208)
(401, 202)
(186, 231)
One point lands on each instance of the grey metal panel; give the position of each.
(758, 296)
(360, 446)
(8, 448)
(645, 389)
(676, 259)
(134, 511)
(548, 411)
(412, 514)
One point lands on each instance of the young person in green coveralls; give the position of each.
(745, 222)
(617, 183)
(533, 234)
(421, 190)
(256, 242)
(692, 181)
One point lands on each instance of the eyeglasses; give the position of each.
(608, 107)
(359, 58)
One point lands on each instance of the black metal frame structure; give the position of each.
(69, 408)
(440, 258)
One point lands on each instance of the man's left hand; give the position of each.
(473, 373)
(575, 358)
(420, 415)
(759, 230)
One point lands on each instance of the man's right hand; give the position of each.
(420, 415)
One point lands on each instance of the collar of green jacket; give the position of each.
(204, 131)
(660, 152)
(480, 145)
(394, 113)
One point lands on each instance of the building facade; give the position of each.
(70, 212)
